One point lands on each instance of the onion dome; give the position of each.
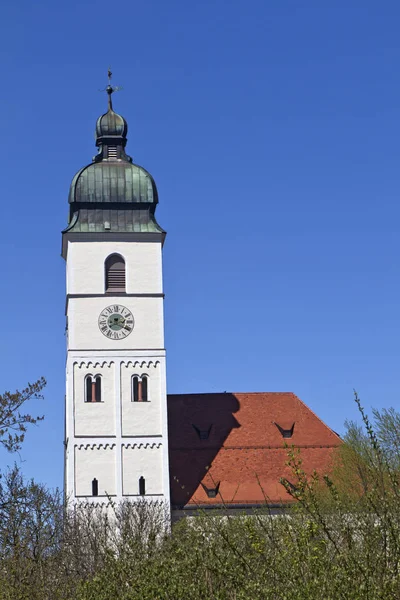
(112, 193)
(113, 181)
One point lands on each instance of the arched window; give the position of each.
(142, 486)
(95, 487)
(115, 273)
(140, 389)
(93, 388)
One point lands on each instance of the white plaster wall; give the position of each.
(95, 418)
(85, 266)
(84, 332)
(141, 418)
(95, 461)
(142, 460)
(130, 424)
(69, 459)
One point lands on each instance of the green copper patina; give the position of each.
(112, 193)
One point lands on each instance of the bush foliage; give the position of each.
(340, 539)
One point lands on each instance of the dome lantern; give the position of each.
(111, 125)
(111, 132)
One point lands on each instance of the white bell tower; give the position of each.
(116, 442)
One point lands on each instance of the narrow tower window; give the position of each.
(115, 273)
(95, 487)
(142, 486)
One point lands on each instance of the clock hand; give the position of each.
(119, 323)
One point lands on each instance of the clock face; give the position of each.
(116, 322)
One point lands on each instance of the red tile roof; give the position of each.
(232, 441)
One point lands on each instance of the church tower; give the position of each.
(116, 441)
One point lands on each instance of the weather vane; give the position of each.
(110, 89)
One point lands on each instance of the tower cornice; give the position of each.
(109, 236)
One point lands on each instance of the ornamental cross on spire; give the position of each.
(110, 89)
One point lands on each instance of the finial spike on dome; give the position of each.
(110, 124)
(110, 89)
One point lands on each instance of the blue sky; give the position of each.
(272, 130)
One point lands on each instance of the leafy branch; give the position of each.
(13, 421)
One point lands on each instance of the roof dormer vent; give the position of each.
(286, 433)
(202, 433)
(213, 491)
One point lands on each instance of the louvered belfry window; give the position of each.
(115, 273)
(112, 152)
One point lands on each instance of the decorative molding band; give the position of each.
(141, 363)
(109, 295)
(116, 295)
(135, 446)
(94, 365)
(94, 446)
(109, 236)
(94, 504)
(127, 353)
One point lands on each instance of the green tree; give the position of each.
(31, 518)
(13, 420)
